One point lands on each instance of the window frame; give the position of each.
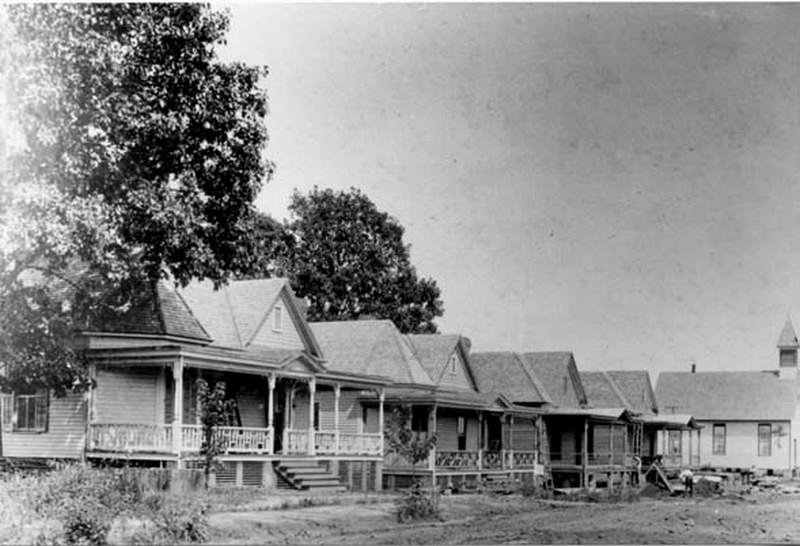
(716, 448)
(453, 364)
(764, 444)
(36, 419)
(277, 318)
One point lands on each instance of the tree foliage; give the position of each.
(214, 410)
(401, 439)
(348, 258)
(128, 153)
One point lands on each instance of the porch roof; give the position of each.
(671, 421)
(594, 414)
(450, 398)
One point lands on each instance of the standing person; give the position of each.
(687, 477)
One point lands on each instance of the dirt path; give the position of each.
(483, 519)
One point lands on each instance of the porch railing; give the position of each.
(234, 439)
(295, 440)
(457, 459)
(130, 438)
(594, 458)
(492, 460)
(363, 443)
(524, 459)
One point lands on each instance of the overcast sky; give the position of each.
(620, 181)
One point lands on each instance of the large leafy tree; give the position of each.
(348, 258)
(128, 153)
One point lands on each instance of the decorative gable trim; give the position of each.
(286, 300)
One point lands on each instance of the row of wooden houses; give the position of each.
(312, 401)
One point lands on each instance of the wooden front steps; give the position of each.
(306, 475)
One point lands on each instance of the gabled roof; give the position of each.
(371, 347)
(159, 312)
(726, 396)
(602, 392)
(504, 373)
(637, 389)
(788, 337)
(233, 314)
(558, 373)
(434, 350)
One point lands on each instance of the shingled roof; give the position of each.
(504, 373)
(233, 314)
(602, 391)
(558, 373)
(434, 350)
(160, 311)
(726, 396)
(371, 347)
(637, 389)
(788, 337)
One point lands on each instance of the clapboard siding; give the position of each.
(457, 379)
(524, 437)
(287, 338)
(128, 396)
(65, 436)
(349, 410)
(447, 431)
(252, 409)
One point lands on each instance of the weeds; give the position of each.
(418, 503)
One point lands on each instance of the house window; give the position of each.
(25, 412)
(462, 434)
(277, 319)
(764, 440)
(718, 440)
(675, 447)
(453, 364)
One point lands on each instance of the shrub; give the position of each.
(170, 519)
(418, 503)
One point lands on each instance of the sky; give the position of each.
(619, 181)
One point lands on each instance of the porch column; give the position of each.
(611, 443)
(690, 447)
(271, 412)
(585, 452)
(432, 431)
(288, 414)
(337, 391)
(90, 412)
(510, 441)
(381, 398)
(312, 389)
(481, 439)
(177, 408)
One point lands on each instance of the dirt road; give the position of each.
(482, 519)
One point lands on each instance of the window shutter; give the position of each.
(42, 411)
(7, 410)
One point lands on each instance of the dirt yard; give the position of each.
(754, 517)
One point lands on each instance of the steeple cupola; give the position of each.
(787, 348)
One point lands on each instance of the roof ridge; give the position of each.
(233, 316)
(538, 385)
(617, 391)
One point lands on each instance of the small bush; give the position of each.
(171, 520)
(418, 503)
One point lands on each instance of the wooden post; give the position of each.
(271, 412)
(287, 419)
(511, 441)
(337, 392)
(481, 439)
(690, 447)
(177, 410)
(585, 452)
(611, 443)
(381, 398)
(90, 412)
(432, 431)
(312, 389)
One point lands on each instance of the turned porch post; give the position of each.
(271, 412)
(381, 398)
(481, 439)
(690, 447)
(510, 441)
(312, 389)
(177, 409)
(432, 431)
(611, 443)
(337, 392)
(288, 415)
(585, 453)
